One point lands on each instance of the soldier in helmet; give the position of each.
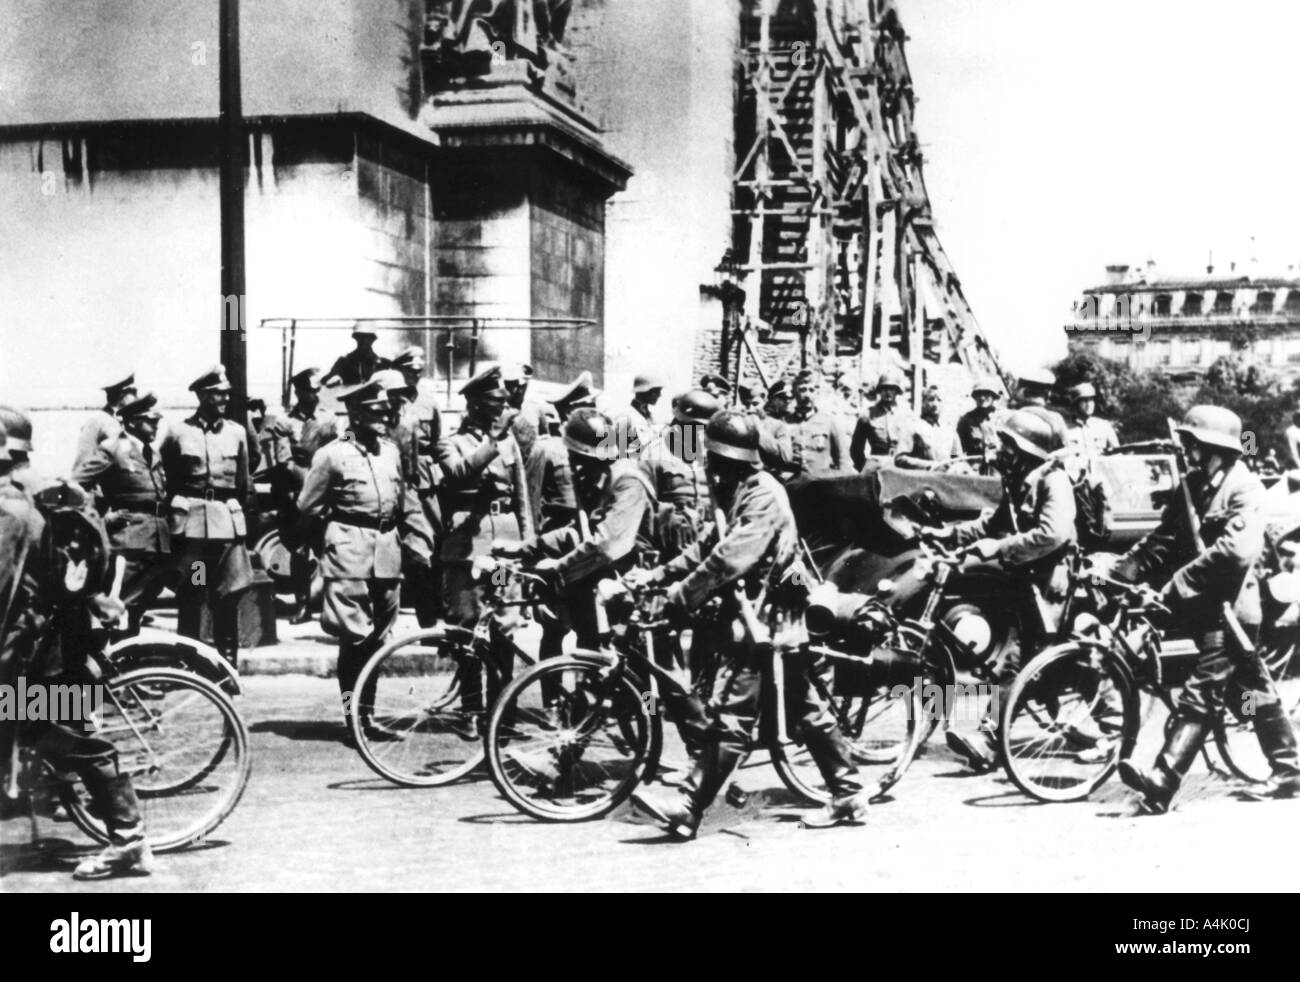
(484, 497)
(886, 429)
(647, 390)
(1028, 534)
(127, 471)
(1227, 501)
(104, 423)
(358, 364)
(18, 425)
(355, 488)
(207, 462)
(1091, 435)
(977, 429)
(751, 549)
(818, 441)
(676, 466)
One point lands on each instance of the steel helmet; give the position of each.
(696, 406)
(891, 379)
(589, 433)
(732, 435)
(1213, 426)
(985, 384)
(1084, 390)
(391, 380)
(1029, 432)
(19, 429)
(646, 382)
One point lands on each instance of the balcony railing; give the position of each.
(1186, 322)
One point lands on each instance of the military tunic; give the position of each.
(1033, 524)
(1093, 436)
(362, 499)
(102, 426)
(355, 367)
(1206, 575)
(130, 478)
(818, 442)
(887, 434)
(550, 485)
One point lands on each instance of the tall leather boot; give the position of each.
(1159, 785)
(680, 811)
(849, 802)
(1278, 741)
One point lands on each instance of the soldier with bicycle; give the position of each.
(749, 558)
(54, 611)
(1028, 533)
(1222, 509)
(355, 487)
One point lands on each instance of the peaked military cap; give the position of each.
(367, 395)
(141, 407)
(717, 380)
(513, 371)
(214, 379)
(581, 393)
(308, 376)
(487, 384)
(117, 388)
(410, 357)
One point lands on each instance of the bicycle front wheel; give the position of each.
(1071, 717)
(419, 705)
(184, 746)
(570, 739)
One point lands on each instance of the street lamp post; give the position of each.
(234, 351)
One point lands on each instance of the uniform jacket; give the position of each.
(978, 432)
(347, 482)
(550, 485)
(295, 437)
(207, 468)
(1094, 436)
(418, 430)
(818, 441)
(480, 475)
(1033, 523)
(776, 447)
(355, 367)
(886, 434)
(133, 485)
(103, 425)
(1232, 537)
(621, 522)
(759, 542)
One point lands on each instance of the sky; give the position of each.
(1062, 136)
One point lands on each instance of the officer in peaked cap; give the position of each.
(715, 385)
(103, 423)
(581, 394)
(776, 443)
(207, 462)
(818, 438)
(484, 497)
(358, 364)
(355, 488)
(415, 429)
(127, 472)
(293, 439)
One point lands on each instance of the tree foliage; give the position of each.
(1139, 405)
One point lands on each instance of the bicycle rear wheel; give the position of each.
(418, 714)
(883, 722)
(184, 746)
(1238, 747)
(570, 739)
(1071, 716)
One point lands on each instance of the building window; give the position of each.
(1223, 302)
(1164, 304)
(1293, 302)
(1293, 351)
(1192, 306)
(1263, 303)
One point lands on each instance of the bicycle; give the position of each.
(1073, 712)
(572, 737)
(178, 737)
(413, 725)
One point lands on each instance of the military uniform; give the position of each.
(887, 434)
(207, 467)
(416, 434)
(356, 367)
(1093, 436)
(103, 425)
(362, 499)
(1232, 524)
(776, 447)
(550, 485)
(132, 483)
(817, 441)
(978, 432)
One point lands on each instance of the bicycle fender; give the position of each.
(152, 647)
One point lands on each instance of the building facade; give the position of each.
(1181, 325)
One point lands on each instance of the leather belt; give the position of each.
(366, 522)
(216, 494)
(158, 509)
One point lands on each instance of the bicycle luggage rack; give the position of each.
(448, 325)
